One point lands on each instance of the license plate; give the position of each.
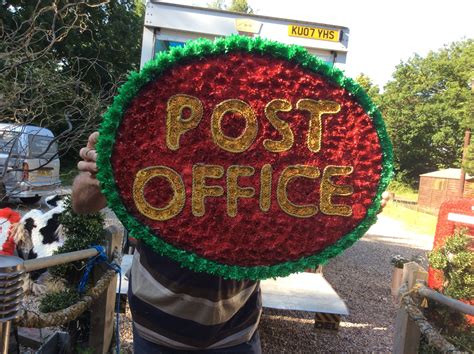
(45, 173)
(322, 34)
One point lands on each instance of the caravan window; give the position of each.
(40, 147)
(9, 142)
(161, 46)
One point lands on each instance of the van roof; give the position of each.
(26, 129)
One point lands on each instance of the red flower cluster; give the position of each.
(252, 237)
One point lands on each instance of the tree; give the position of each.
(469, 161)
(456, 261)
(240, 6)
(426, 108)
(108, 33)
(65, 59)
(236, 6)
(38, 86)
(217, 4)
(112, 40)
(372, 90)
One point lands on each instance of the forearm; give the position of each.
(86, 195)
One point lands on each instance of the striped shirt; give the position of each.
(182, 309)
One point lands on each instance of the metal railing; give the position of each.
(446, 300)
(411, 322)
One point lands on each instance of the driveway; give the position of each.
(362, 277)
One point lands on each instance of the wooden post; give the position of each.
(102, 311)
(407, 333)
(462, 180)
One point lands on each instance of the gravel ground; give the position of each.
(362, 277)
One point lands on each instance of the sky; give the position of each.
(382, 33)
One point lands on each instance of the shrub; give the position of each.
(456, 261)
(58, 301)
(81, 232)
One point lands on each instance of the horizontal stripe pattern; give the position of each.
(178, 279)
(187, 314)
(198, 309)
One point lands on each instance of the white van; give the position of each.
(29, 163)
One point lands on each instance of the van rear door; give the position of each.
(43, 161)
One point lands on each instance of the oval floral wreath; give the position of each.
(244, 158)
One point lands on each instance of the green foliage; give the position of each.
(402, 190)
(109, 34)
(217, 4)
(240, 6)
(58, 301)
(236, 6)
(78, 329)
(62, 56)
(427, 107)
(112, 39)
(452, 325)
(398, 261)
(469, 162)
(412, 219)
(372, 90)
(82, 231)
(464, 340)
(456, 261)
(85, 350)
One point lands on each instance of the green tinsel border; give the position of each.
(200, 49)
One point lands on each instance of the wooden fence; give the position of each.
(413, 205)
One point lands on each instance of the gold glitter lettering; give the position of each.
(316, 110)
(242, 142)
(265, 187)
(201, 190)
(234, 191)
(174, 207)
(271, 109)
(329, 189)
(175, 124)
(290, 172)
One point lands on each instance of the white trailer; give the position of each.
(168, 25)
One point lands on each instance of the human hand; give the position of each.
(384, 201)
(89, 156)
(86, 194)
